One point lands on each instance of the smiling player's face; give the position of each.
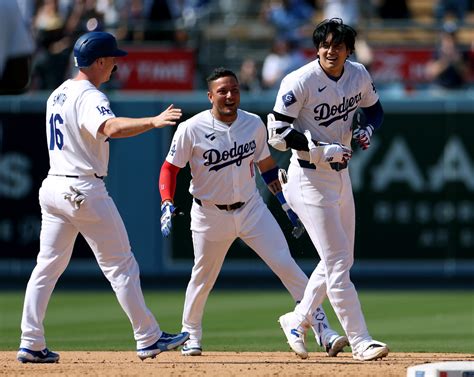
(332, 56)
(224, 94)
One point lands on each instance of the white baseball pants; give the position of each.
(324, 202)
(214, 231)
(99, 221)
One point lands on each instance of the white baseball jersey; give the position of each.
(324, 106)
(77, 151)
(75, 111)
(219, 154)
(222, 160)
(322, 197)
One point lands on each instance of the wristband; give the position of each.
(270, 175)
(282, 200)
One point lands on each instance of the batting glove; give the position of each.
(362, 136)
(76, 197)
(326, 152)
(168, 211)
(298, 227)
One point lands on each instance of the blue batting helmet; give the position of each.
(94, 45)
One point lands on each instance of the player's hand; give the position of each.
(75, 196)
(168, 211)
(332, 153)
(362, 136)
(298, 227)
(336, 153)
(169, 117)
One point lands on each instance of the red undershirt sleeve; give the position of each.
(167, 181)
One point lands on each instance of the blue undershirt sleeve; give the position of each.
(374, 115)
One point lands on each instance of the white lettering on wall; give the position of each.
(453, 166)
(397, 166)
(15, 180)
(159, 71)
(442, 212)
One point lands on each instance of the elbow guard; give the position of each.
(277, 130)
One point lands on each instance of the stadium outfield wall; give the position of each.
(414, 190)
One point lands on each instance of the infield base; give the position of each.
(443, 369)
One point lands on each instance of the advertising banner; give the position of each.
(157, 69)
(400, 64)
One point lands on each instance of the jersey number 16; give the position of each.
(55, 136)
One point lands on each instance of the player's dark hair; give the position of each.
(340, 32)
(218, 73)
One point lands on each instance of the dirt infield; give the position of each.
(222, 364)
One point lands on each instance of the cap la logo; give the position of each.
(289, 98)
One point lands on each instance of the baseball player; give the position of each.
(73, 199)
(222, 145)
(312, 116)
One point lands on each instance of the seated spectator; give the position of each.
(347, 10)
(456, 8)
(284, 58)
(289, 17)
(363, 52)
(52, 56)
(111, 14)
(392, 10)
(249, 79)
(132, 20)
(449, 67)
(191, 11)
(84, 17)
(160, 16)
(16, 49)
(55, 35)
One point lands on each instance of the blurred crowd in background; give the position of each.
(288, 25)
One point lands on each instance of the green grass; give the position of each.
(425, 321)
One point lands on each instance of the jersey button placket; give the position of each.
(235, 182)
(235, 170)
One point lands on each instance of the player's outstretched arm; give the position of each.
(121, 127)
(270, 174)
(167, 117)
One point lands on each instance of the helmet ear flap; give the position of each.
(82, 52)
